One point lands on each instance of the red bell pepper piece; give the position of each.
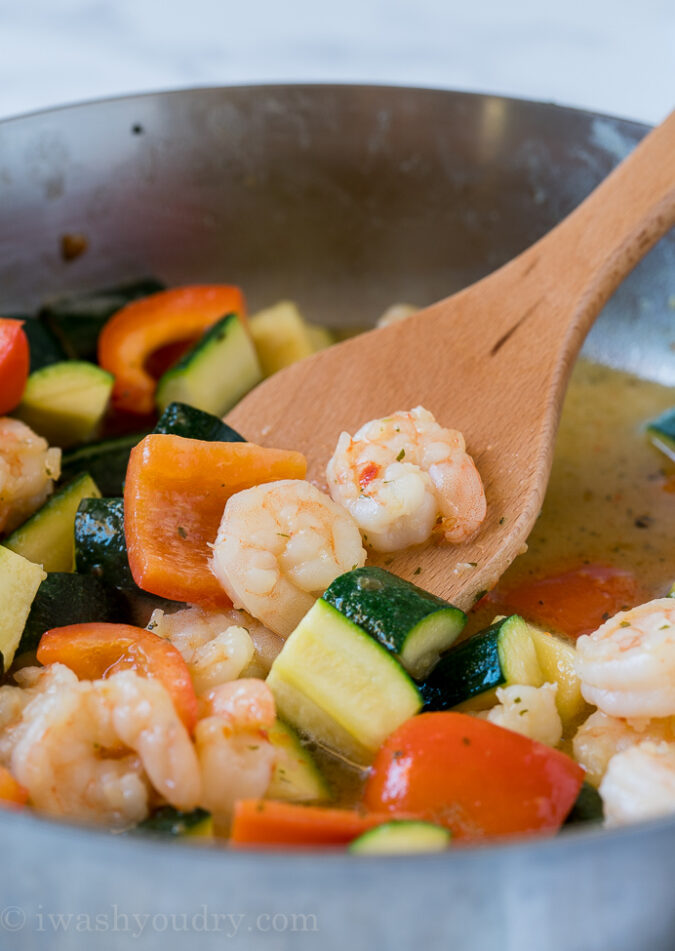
(14, 363)
(133, 334)
(99, 649)
(12, 794)
(477, 779)
(264, 822)
(174, 496)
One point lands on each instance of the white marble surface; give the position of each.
(616, 56)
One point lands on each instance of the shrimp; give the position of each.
(403, 478)
(528, 710)
(91, 750)
(627, 666)
(601, 737)
(639, 783)
(278, 548)
(28, 468)
(235, 755)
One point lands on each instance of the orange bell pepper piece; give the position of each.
(131, 336)
(477, 779)
(12, 794)
(174, 497)
(264, 822)
(99, 649)
(14, 363)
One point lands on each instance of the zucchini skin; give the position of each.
(587, 808)
(67, 598)
(106, 461)
(169, 821)
(44, 346)
(100, 544)
(180, 419)
(467, 670)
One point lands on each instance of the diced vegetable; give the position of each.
(402, 836)
(65, 402)
(175, 493)
(413, 624)
(12, 794)
(98, 650)
(587, 807)
(106, 461)
(556, 659)
(100, 544)
(47, 538)
(661, 432)
(19, 582)
(179, 419)
(575, 602)
(144, 326)
(261, 822)
(216, 372)
(169, 821)
(14, 363)
(44, 347)
(281, 337)
(319, 337)
(336, 684)
(478, 779)
(77, 320)
(296, 777)
(503, 654)
(68, 598)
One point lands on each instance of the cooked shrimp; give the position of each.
(235, 755)
(28, 468)
(528, 710)
(91, 749)
(403, 478)
(639, 783)
(601, 737)
(32, 681)
(627, 666)
(278, 548)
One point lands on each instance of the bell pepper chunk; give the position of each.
(133, 334)
(97, 650)
(14, 363)
(174, 497)
(12, 794)
(477, 779)
(261, 822)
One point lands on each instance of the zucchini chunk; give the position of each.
(215, 373)
(78, 320)
(336, 684)
(504, 653)
(172, 822)
(19, 582)
(296, 777)
(281, 337)
(556, 658)
(413, 624)
(100, 544)
(402, 836)
(47, 538)
(68, 598)
(106, 461)
(65, 402)
(319, 337)
(179, 419)
(43, 345)
(588, 806)
(661, 432)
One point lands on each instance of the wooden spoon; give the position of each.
(492, 361)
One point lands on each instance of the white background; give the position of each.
(616, 56)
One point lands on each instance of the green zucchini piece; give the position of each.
(296, 777)
(106, 461)
(77, 320)
(43, 345)
(100, 544)
(588, 806)
(215, 373)
(47, 538)
(65, 402)
(67, 598)
(179, 419)
(661, 432)
(336, 684)
(504, 653)
(413, 624)
(402, 836)
(19, 581)
(172, 822)
(671, 592)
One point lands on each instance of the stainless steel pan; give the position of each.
(344, 199)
